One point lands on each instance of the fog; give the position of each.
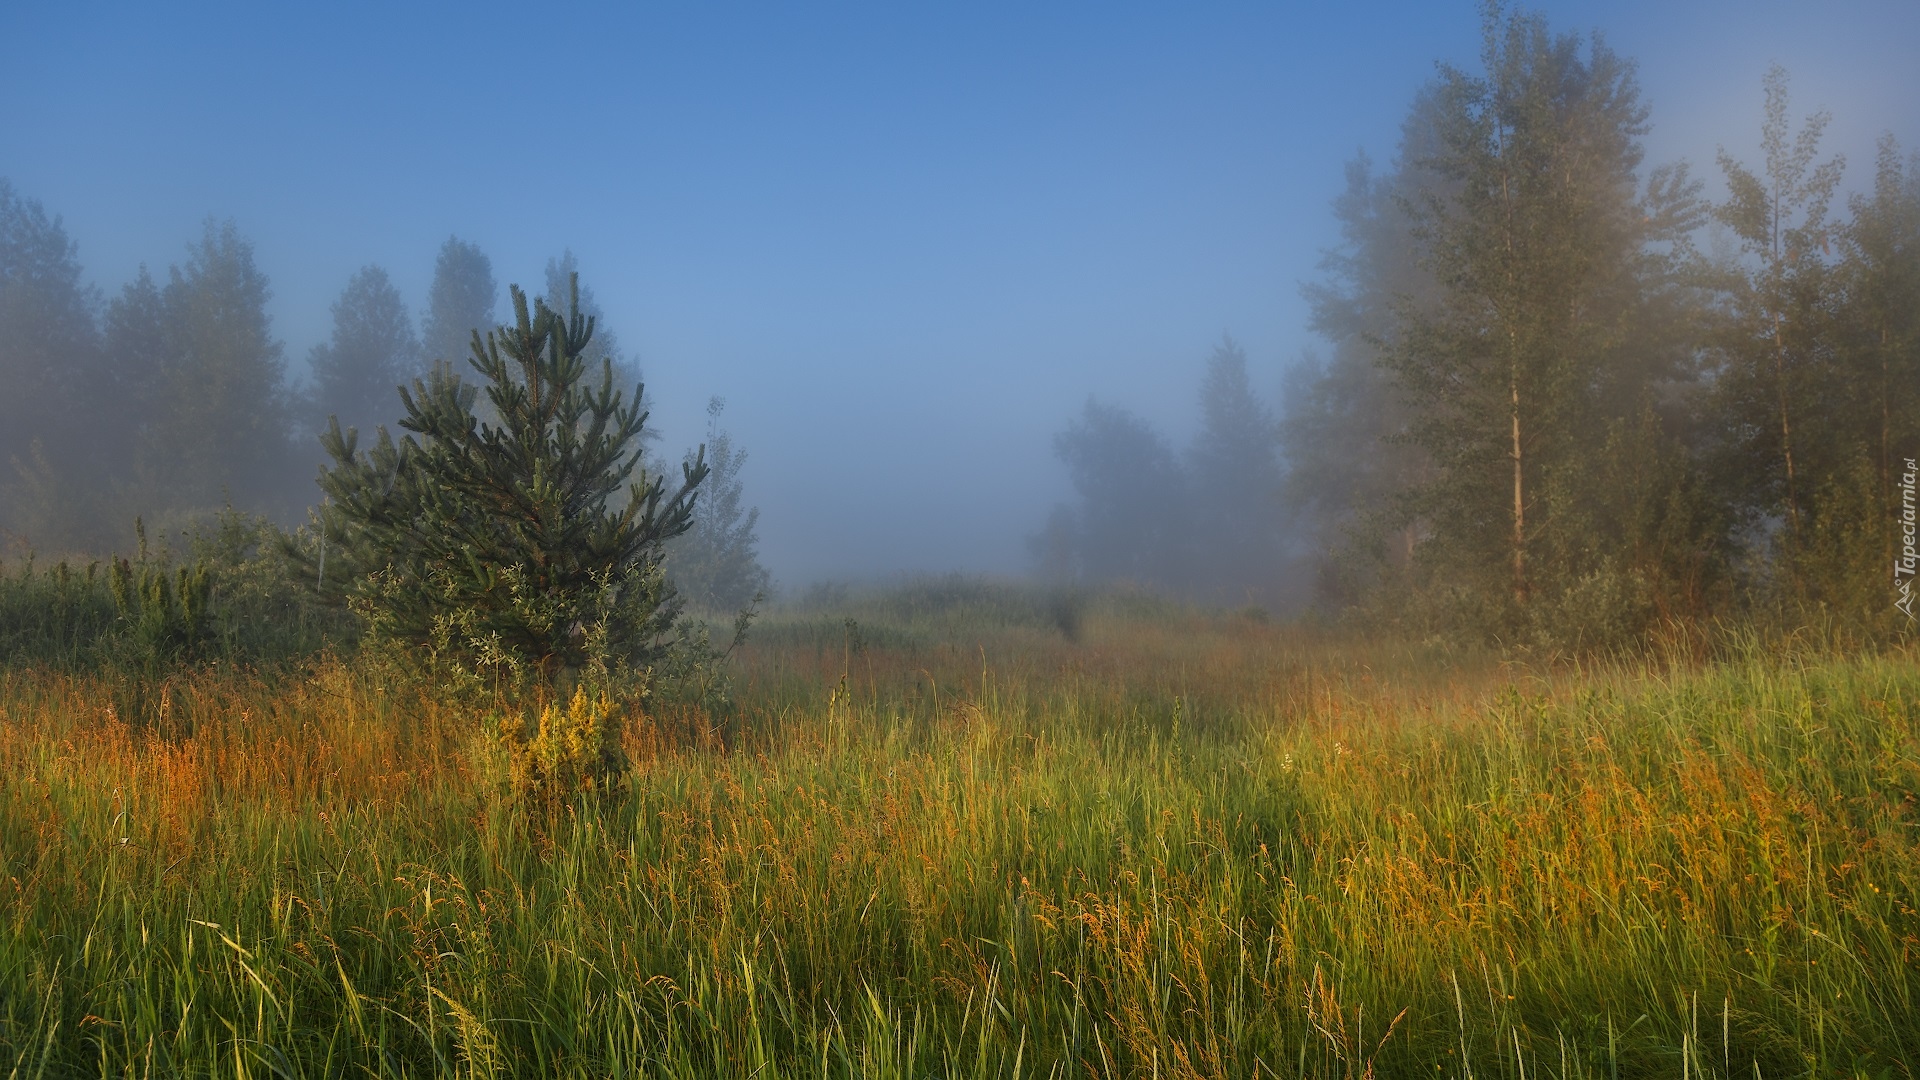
(904, 245)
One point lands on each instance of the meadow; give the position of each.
(951, 830)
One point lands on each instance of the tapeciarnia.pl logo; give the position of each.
(1909, 560)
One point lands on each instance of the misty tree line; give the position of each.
(1209, 523)
(1568, 397)
(172, 399)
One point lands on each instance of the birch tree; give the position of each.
(1544, 249)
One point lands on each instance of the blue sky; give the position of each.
(904, 241)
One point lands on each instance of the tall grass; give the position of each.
(1178, 846)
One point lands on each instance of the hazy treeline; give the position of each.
(172, 399)
(1568, 396)
(1209, 523)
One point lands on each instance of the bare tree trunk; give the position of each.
(1786, 430)
(1519, 499)
(1513, 392)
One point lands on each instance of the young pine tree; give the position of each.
(524, 551)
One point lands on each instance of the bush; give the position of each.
(228, 598)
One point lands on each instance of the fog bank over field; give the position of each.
(906, 248)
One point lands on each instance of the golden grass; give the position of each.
(1183, 846)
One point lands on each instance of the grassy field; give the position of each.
(960, 838)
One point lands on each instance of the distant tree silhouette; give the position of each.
(1237, 530)
(220, 427)
(461, 300)
(1129, 522)
(715, 564)
(561, 272)
(140, 352)
(51, 366)
(370, 354)
(1349, 466)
